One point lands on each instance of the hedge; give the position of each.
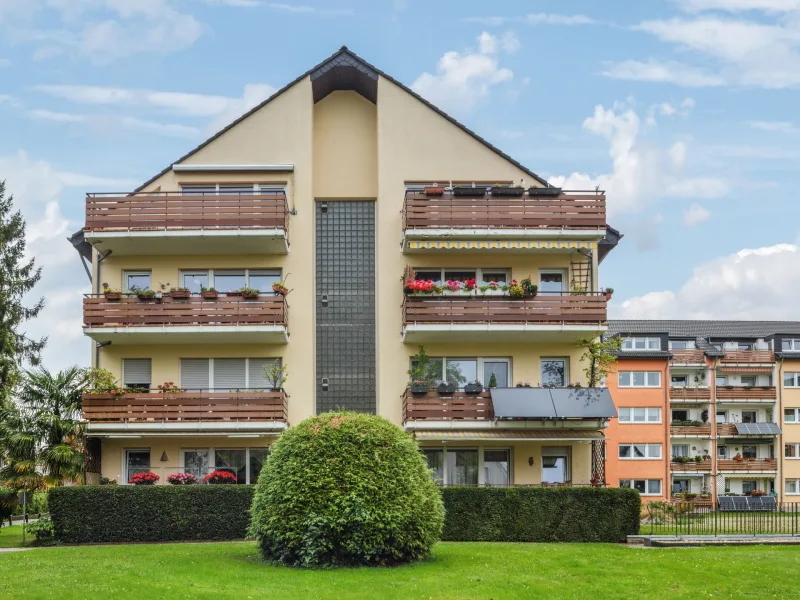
(162, 513)
(533, 514)
(89, 514)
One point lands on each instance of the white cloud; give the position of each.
(643, 173)
(729, 287)
(111, 123)
(695, 215)
(534, 19)
(101, 31)
(774, 126)
(665, 109)
(663, 72)
(310, 10)
(4, 62)
(739, 5)
(463, 79)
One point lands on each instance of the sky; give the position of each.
(684, 111)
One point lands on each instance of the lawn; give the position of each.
(11, 537)
(456, 570)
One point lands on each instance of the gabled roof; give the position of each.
(705, 328)
(326, 72)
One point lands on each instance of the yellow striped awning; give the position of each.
(746, 369)
(500, 245)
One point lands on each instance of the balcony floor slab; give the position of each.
(492, 332)
(202, 334)
(190, 241)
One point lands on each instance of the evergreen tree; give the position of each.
(18, 276)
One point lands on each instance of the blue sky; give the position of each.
(685, 111)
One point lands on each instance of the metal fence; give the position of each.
(694, 519)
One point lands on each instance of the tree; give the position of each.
(41, 434)
(18, 277)
(599, 356)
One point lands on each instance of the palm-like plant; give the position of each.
(41, 435)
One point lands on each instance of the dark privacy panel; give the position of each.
(345, 305)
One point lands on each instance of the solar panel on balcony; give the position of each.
(758, 429)
(552, 403)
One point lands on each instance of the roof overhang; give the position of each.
(232, 168)
(509, 435)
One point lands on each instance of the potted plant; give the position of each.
(169, 387)
(147, 294)
(145, 478)
(758, 493)
(209, 293)
(182, 479)
(473, 387)
(446, 387)
(516, 291)
(523, 384)
(608, 293)
(111, 295)
(182, 293)
(544, 191)
(514, 191)
(423, 372)
(434, 191)
(419, 387)
(276, 374)
(453, 288)
(220, 477)
(530, 288)
(469, 192)
(249, 293)
(279, 287)
(738, 458)
(418, 287)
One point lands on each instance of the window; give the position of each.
(200, 374)
(136, 373)
(749, 486)
(640, 415)
(750, 452)
(232, 461)
(244, 463)
(554, 372)
(640, 379)
(793, 486)
(721, 381)
(640, 451)
(722, 452)
(791, 380)
(469, 466)
(135, 280)
(677, 381)
(646, 487)
(258, 456)
(682, 345)
(722, 416)
(679, 450)
(552, 281)
(500, 368)
(481, 276)
(790, 415)
(556, 464)
(197, 462)
(680, 486)
(791, 345)
(791, 450)
(642, 343)
(680, 415)
(230, 280)
(214, 189)
(749, 416)
(742, 346)
(748, 380)
(136, 461)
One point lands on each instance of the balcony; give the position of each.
(185, 411)
(688, 357)
(748, 357)
(148, 223)
(703, 430)
(224, 320)
(456, 220)
(431, 406)
(691, 467)
(466, 318)
(746, 394)
(748, 464)
(728, 430)
(690, 394)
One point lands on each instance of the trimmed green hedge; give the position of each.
(158, 513)
(533, 514)
(162, 513)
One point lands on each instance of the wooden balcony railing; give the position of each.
(130, 311)
(689, 393)
(185, 406)
(695, 357)
(147, 211)
(588, 307)
(748, 464)
(746, 393)
(456, 406)
(748, 356)
(679, 430)
(570, 210)
(691, 467)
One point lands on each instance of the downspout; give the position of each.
(714, 437)
(100, 259)
(667, 419)
(780, 489)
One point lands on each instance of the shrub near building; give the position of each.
(346, 489)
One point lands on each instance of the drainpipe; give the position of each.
(667, 419)
(779, 489)
(714, 438)
(100, 259)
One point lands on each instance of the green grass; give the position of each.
(11, 537)
(724, 523)
(456, 570)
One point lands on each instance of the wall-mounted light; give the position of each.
(530, 460)
(164, 457)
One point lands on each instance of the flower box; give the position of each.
(473, 388)
(113, 296)
(469, 192)
(508, 191)
(280, 289)
(544, 191)
(146, 295)
(220, 477)
(419, 390)
(209, 294)
(446, 388)
(180, 294)
(434, 191)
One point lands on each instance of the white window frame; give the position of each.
(480, 449)
(674, 446)
(691, 344)
(210, 273)
(646, 379)
(257, 187)
(564, 359)
(648, 451)
(795, 383)
(796, 486)
(480, 368)
(211, 367)
(479, 271)
(629, 344)
(564, 281)
(626, 415)
(673, 384)
(125, 476)
(796, 451)
(631, 483)
(135, 273)
(212, 459)
(794, 345)
(122, 371)
(795, 416)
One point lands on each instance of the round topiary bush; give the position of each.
(346, 489)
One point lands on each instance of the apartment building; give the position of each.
(707, 408)
(392, 227)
